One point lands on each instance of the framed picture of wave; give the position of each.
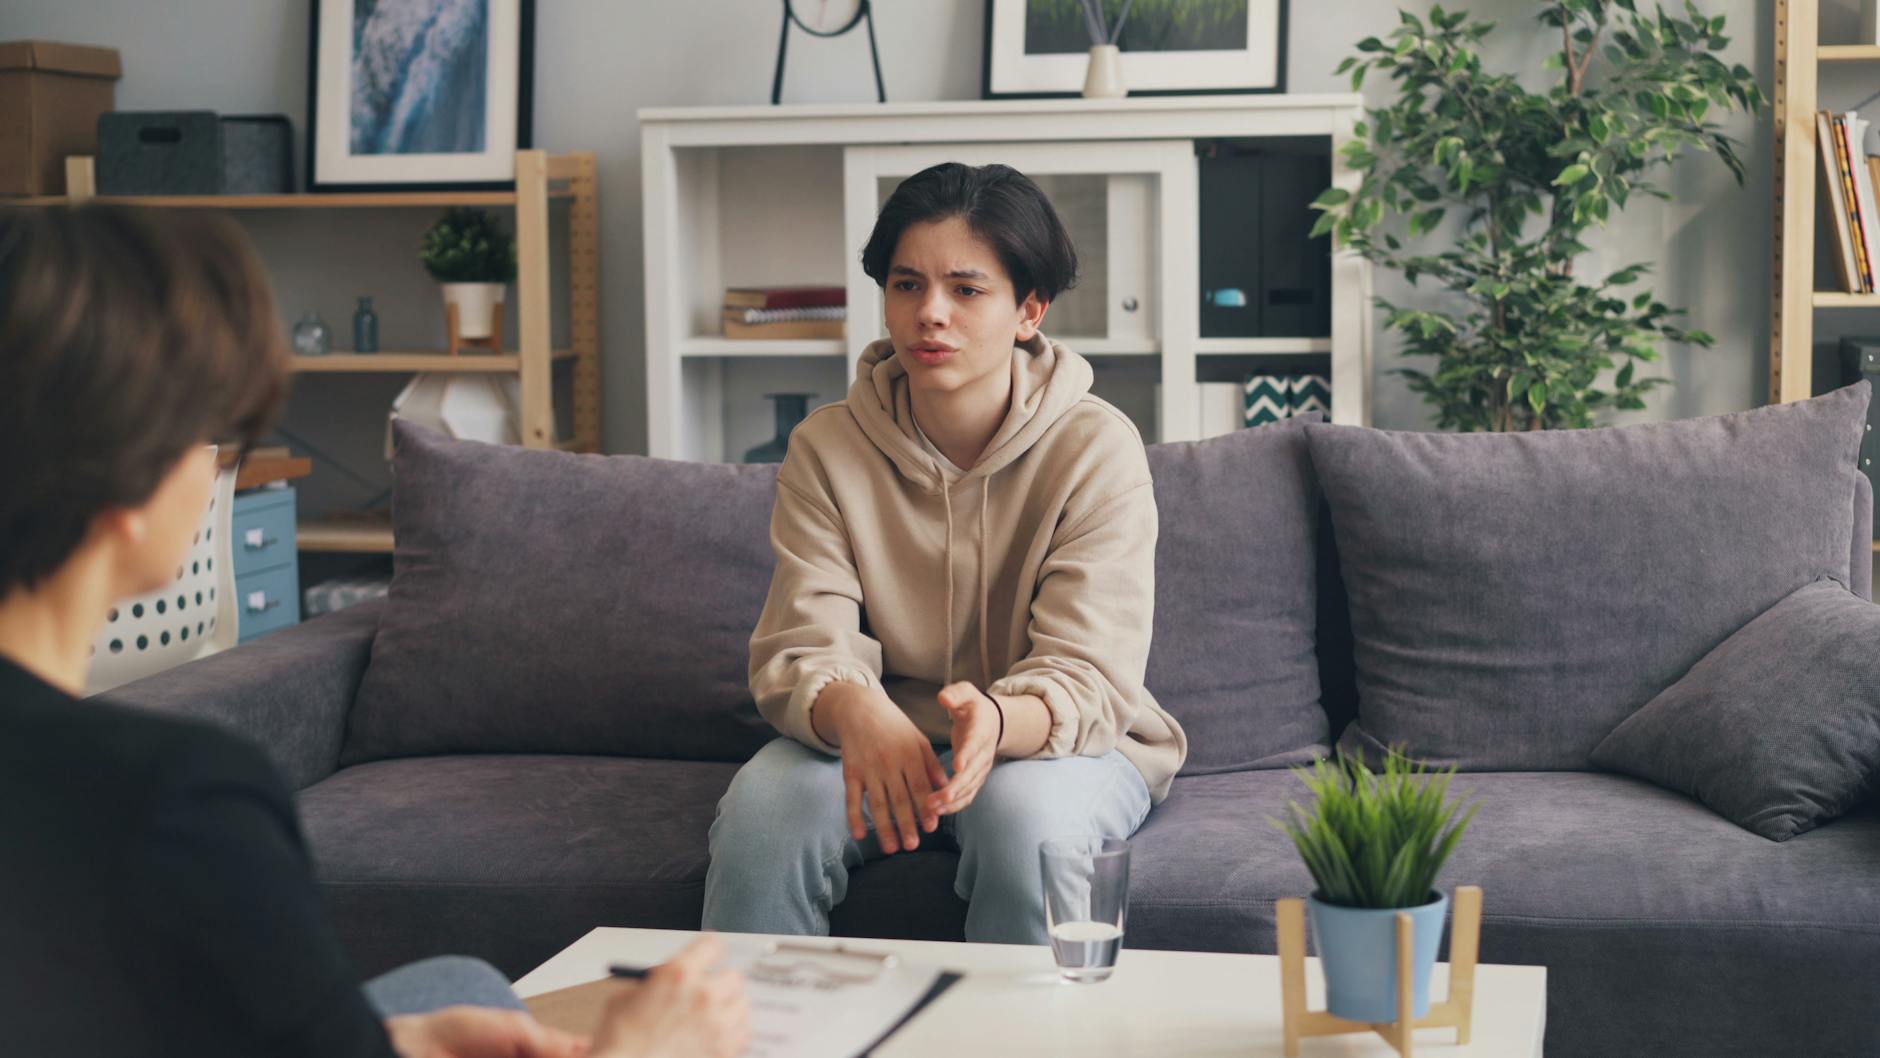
(418, 95)
(1040, 49)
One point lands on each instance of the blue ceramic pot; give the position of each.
(1358, 946)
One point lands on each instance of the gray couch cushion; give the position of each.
(1236, 598)
(1778, 729)
(1515, 596)
(512, 857)
(548, 602)
(1655, 917)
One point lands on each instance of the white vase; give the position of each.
(476, 304)
(1105, 77)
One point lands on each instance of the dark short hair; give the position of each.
(126, 338)
(1000, 205)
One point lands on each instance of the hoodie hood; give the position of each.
(1048, 380)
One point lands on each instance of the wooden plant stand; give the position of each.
(458, 343)
(1454, 1012)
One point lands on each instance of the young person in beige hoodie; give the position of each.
(965, 556)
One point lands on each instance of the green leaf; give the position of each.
(1572, 174)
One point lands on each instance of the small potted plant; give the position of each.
(1374, 844)
(473, 259)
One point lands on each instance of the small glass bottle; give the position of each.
(311, 336)
(365, 328)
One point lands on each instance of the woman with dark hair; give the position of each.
(965, 556)
(156, 896)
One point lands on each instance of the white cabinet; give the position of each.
(772, 196)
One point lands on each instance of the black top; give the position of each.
(156, 896)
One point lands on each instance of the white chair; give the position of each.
(193, 617)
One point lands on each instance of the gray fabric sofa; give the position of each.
(528, 738)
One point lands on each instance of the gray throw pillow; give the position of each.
(544, 602)
(1778, 729)
(1233, 657)
(1515, 596)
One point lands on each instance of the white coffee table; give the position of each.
(1160, 1003)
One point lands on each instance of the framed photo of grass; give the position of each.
(409, 95)
(1039, 49)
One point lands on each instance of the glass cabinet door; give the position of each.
(1129, 210)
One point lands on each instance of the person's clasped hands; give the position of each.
(889, 766)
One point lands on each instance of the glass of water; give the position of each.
(1086, 899)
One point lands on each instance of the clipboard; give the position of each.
(577, 1009)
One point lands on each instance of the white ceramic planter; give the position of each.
(1104, 79)
(476, 303)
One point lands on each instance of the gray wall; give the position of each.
(597, 61)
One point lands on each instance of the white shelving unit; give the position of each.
(763, 196)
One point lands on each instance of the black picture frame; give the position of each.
(1282, 22)
(525, 107)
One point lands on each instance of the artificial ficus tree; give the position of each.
(1524, 341)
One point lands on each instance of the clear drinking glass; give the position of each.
(1086, 900)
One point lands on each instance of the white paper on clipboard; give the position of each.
(817, 1001)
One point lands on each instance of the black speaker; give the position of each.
(1261, 275)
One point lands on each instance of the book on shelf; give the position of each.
(1859, 200)
(1834, 202)
(786, 329)
(798, 297)
(784, 315)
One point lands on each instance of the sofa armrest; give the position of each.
(290, 691)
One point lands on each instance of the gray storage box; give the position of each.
(257, 155)
(193, 152)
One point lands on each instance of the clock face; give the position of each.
(825, 16)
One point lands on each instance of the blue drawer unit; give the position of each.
(267, 568)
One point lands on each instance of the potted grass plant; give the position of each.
(473, 259)
(1374, 843)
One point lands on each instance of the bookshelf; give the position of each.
(541, 178)
(781, 195)
(1800, 58)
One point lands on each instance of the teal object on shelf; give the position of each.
(266, 562)
(365, 327)
(1357, 946)
(791, 408)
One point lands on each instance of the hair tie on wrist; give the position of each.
(1001, 711)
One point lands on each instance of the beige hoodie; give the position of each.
(1031, 573)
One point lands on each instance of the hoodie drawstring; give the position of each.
(946, 497)
(985, 657)
(985, 654)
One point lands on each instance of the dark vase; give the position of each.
(791, 408)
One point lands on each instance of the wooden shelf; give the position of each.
(713, 346)
(1848, 53)
(407, 363)
(1838, 299)
(345, 536)
(1260, 346)
(348, 200)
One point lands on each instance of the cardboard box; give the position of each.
(50, 98)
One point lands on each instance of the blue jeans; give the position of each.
(445, 981)
(781, 850)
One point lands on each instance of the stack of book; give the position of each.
(1848, 177)
(785, 312)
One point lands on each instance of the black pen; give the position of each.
(631, 973)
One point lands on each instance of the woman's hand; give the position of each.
(685, 1008)
(976, 731)
(888, 763)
